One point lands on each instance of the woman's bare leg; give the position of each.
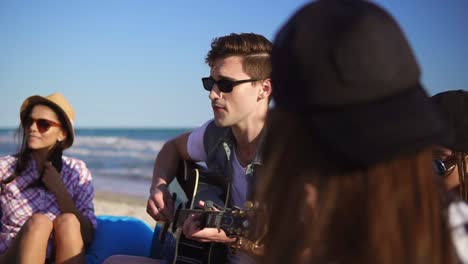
(124, 259)
(68, 241)
(30, 245)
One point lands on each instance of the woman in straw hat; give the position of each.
(348, 174)
(46, 198)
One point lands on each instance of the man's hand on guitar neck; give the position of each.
(160, 205)
(192, 230)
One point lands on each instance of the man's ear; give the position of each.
(265, 89)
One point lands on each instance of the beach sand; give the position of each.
(126, 197)
(118, 204)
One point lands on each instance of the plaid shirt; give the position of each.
(19, 202)
(458, 221)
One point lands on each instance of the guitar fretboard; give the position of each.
(217, 219)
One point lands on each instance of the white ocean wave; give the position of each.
(121, 153)
(106, 156)
(129, 173)
(118, 143)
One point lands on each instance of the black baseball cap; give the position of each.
(346, 67)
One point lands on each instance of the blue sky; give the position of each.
(132, 63)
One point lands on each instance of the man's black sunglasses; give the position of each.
(224, 85)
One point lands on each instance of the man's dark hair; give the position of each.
(253, 48)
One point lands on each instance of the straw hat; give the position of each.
(59, 104)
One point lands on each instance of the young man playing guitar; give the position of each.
(239, 88)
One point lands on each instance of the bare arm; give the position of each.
(160, 204)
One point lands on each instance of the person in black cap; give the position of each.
(451, 159)
(348, 168)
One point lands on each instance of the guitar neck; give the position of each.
(209, 218)
(182, 215)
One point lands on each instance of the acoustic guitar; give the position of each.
(194, 182)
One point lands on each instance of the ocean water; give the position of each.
(120, 160)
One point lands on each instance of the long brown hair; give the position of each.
(391, 212)
(462, 174)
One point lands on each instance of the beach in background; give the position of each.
(121, 162)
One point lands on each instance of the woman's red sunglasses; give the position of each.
(42, 124)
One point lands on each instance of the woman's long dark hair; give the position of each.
(24, 152)
(462, 175)
(391, 212)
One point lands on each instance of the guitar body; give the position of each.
(197, 186)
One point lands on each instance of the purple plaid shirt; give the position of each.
(19, 202)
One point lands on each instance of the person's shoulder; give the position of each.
(213, 129)
(208, 124)
(458, 213)
(7, 166)
(7, 161)
(458, 222)
(214, 134)
(73, 163)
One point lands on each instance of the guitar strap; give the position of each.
(218, 144)
(227, 149)
(252, 167)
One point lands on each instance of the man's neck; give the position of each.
(247, 136)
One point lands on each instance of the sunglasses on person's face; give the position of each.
(224, 85)
(444, 168)
(42, 124)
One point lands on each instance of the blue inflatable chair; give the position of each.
(119, 235)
